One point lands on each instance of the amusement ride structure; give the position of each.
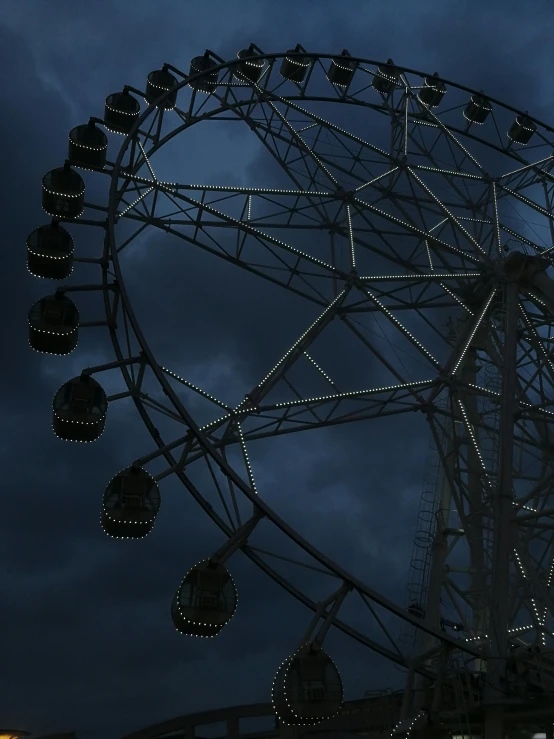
(403, 200)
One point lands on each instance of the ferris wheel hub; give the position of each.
(519, 266)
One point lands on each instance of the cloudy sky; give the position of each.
(87, 641)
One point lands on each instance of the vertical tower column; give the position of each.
(425, 642)
(503, 524)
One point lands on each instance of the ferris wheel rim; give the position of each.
(277, 521)
(213, 439)
(318, 56)
(213, 446)
(268, 512)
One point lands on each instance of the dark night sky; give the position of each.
(86, 641)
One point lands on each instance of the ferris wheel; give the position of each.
(415, 216)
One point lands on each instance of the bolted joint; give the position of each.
(428, 409)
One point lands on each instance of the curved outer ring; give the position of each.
(194, 429)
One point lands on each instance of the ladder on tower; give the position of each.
(420, 562)
(490, 412)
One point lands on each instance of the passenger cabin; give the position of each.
(88, 146)
(158, 83)
(432, 92)
(386, 78)
(50, 252)
(478, 109)
(249, 70)
(121, 112)
(522, 129)
(307, 688)
(208, 81)
(294, 66)
(63, 193)
(341, 70)
(54, 325)
(205, 601)
(130, 504)
(79, 409)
